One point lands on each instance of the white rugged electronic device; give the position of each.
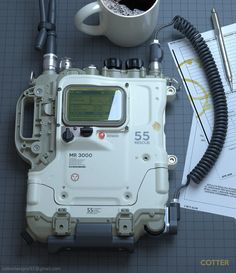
(97, 150)
(99, 166)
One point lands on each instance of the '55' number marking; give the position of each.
(142, 136)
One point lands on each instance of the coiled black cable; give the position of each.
(218, 97)
(219, 102)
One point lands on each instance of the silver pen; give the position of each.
(220, 39)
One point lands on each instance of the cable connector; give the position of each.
(155, 58)
(156, 52)
(173, 216)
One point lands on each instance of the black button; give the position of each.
(86, 131)
(113, 63)
(134, 63)
(67, 136)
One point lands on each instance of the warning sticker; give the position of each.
(74, 177)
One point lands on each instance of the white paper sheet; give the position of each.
(214, 195)
(217, 193)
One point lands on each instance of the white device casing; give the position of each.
(122, 172)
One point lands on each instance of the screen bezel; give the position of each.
(108, 123)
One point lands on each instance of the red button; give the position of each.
(101, 135)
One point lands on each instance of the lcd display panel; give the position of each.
(95, 105)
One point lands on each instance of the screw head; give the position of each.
(36, 148)
(39, 92)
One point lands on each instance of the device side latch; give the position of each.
(124, 223)
(172, 217)
(61, 223)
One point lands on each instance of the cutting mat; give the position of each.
(201, 236)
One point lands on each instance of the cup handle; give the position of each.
(84, 13)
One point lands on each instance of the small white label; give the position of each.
(94, 211)
(113, 135)
(77, 160)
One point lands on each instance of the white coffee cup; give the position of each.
(127, 31)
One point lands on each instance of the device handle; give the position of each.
(20, 114)
(83, 14)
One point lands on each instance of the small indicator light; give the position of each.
(101, 135)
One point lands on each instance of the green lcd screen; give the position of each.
(99, 105)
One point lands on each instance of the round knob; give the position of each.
(67, 136)
(134, 63)
(113, 63)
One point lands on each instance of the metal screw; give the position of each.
(171, 90)
(36, 148)
(172, 160)
(146, 157)
(39, 91)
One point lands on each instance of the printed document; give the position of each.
(217, 193)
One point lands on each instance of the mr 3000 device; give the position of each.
(97, 151)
